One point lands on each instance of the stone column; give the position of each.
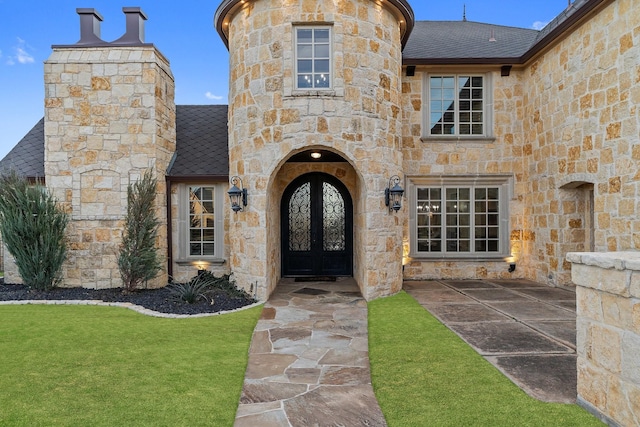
(608, 334)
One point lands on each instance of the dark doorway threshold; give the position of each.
(316, 279)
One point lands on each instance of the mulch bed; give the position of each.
(160, 300)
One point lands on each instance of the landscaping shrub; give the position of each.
(226, 284)
(204, 285)
(33, 229)
(138, 261)
(193, 290)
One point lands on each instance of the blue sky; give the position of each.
(184, 33)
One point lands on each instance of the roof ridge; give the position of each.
(477, 22)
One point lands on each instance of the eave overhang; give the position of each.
(557, 29)
(228, 8)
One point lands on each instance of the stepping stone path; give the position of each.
(309, 360)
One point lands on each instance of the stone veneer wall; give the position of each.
(608, 333)
(581, 126)
(359, 119)
(567, 127)
(501, 155)
(109, 116)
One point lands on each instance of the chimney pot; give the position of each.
(89, 26)
(134, 34)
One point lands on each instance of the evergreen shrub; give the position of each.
(33, 229)
(138, 260)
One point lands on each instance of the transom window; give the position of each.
(460, 220)
(313, 57)
(457, 105)
(201, 221)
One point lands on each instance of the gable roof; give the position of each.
(447, 42)
(201, 146)
(201, 142)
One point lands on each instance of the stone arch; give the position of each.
(98, 192)
(576, 222)
(575, 180)
(285, 172)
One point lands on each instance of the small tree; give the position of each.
(138, 261)
(33, 228)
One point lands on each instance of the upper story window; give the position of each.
(458, 105)
(313, 57)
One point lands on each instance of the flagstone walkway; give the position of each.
(526, 329)
(309, 360)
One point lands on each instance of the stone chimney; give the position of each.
(109, 117)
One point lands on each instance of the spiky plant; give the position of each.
(193, 290)
(138, 260)
(33, 229)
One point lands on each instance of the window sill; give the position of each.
(330, 93)
(456, 139)
(203, 260)
(486, 258)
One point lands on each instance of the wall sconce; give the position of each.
(238, 196)
(393, 194)
(512, 267)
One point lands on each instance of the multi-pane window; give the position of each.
(457, 105)
(201, 241)
(459, 220)
(313, 58)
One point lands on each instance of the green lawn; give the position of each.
(107, 366)
(424, 375)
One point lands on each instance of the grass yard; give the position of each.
(424, 375)
(106, 366)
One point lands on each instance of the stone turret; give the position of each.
(109, 116)
(351, 110)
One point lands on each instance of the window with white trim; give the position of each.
(313, 57)
(201, 221)
(458, 105)
(459, 217)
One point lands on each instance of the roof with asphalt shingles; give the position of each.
(434, 40)
(27, 157)
(201, 141)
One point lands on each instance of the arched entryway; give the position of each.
(317, 227)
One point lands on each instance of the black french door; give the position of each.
(317, 227)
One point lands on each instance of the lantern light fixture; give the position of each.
(237, 195)
(393, 194)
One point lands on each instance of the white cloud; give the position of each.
(21, 54)
(538, 25)
(209, 95)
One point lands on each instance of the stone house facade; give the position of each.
(513, 146)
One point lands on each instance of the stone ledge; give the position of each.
(628, 260)
(138, 308)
